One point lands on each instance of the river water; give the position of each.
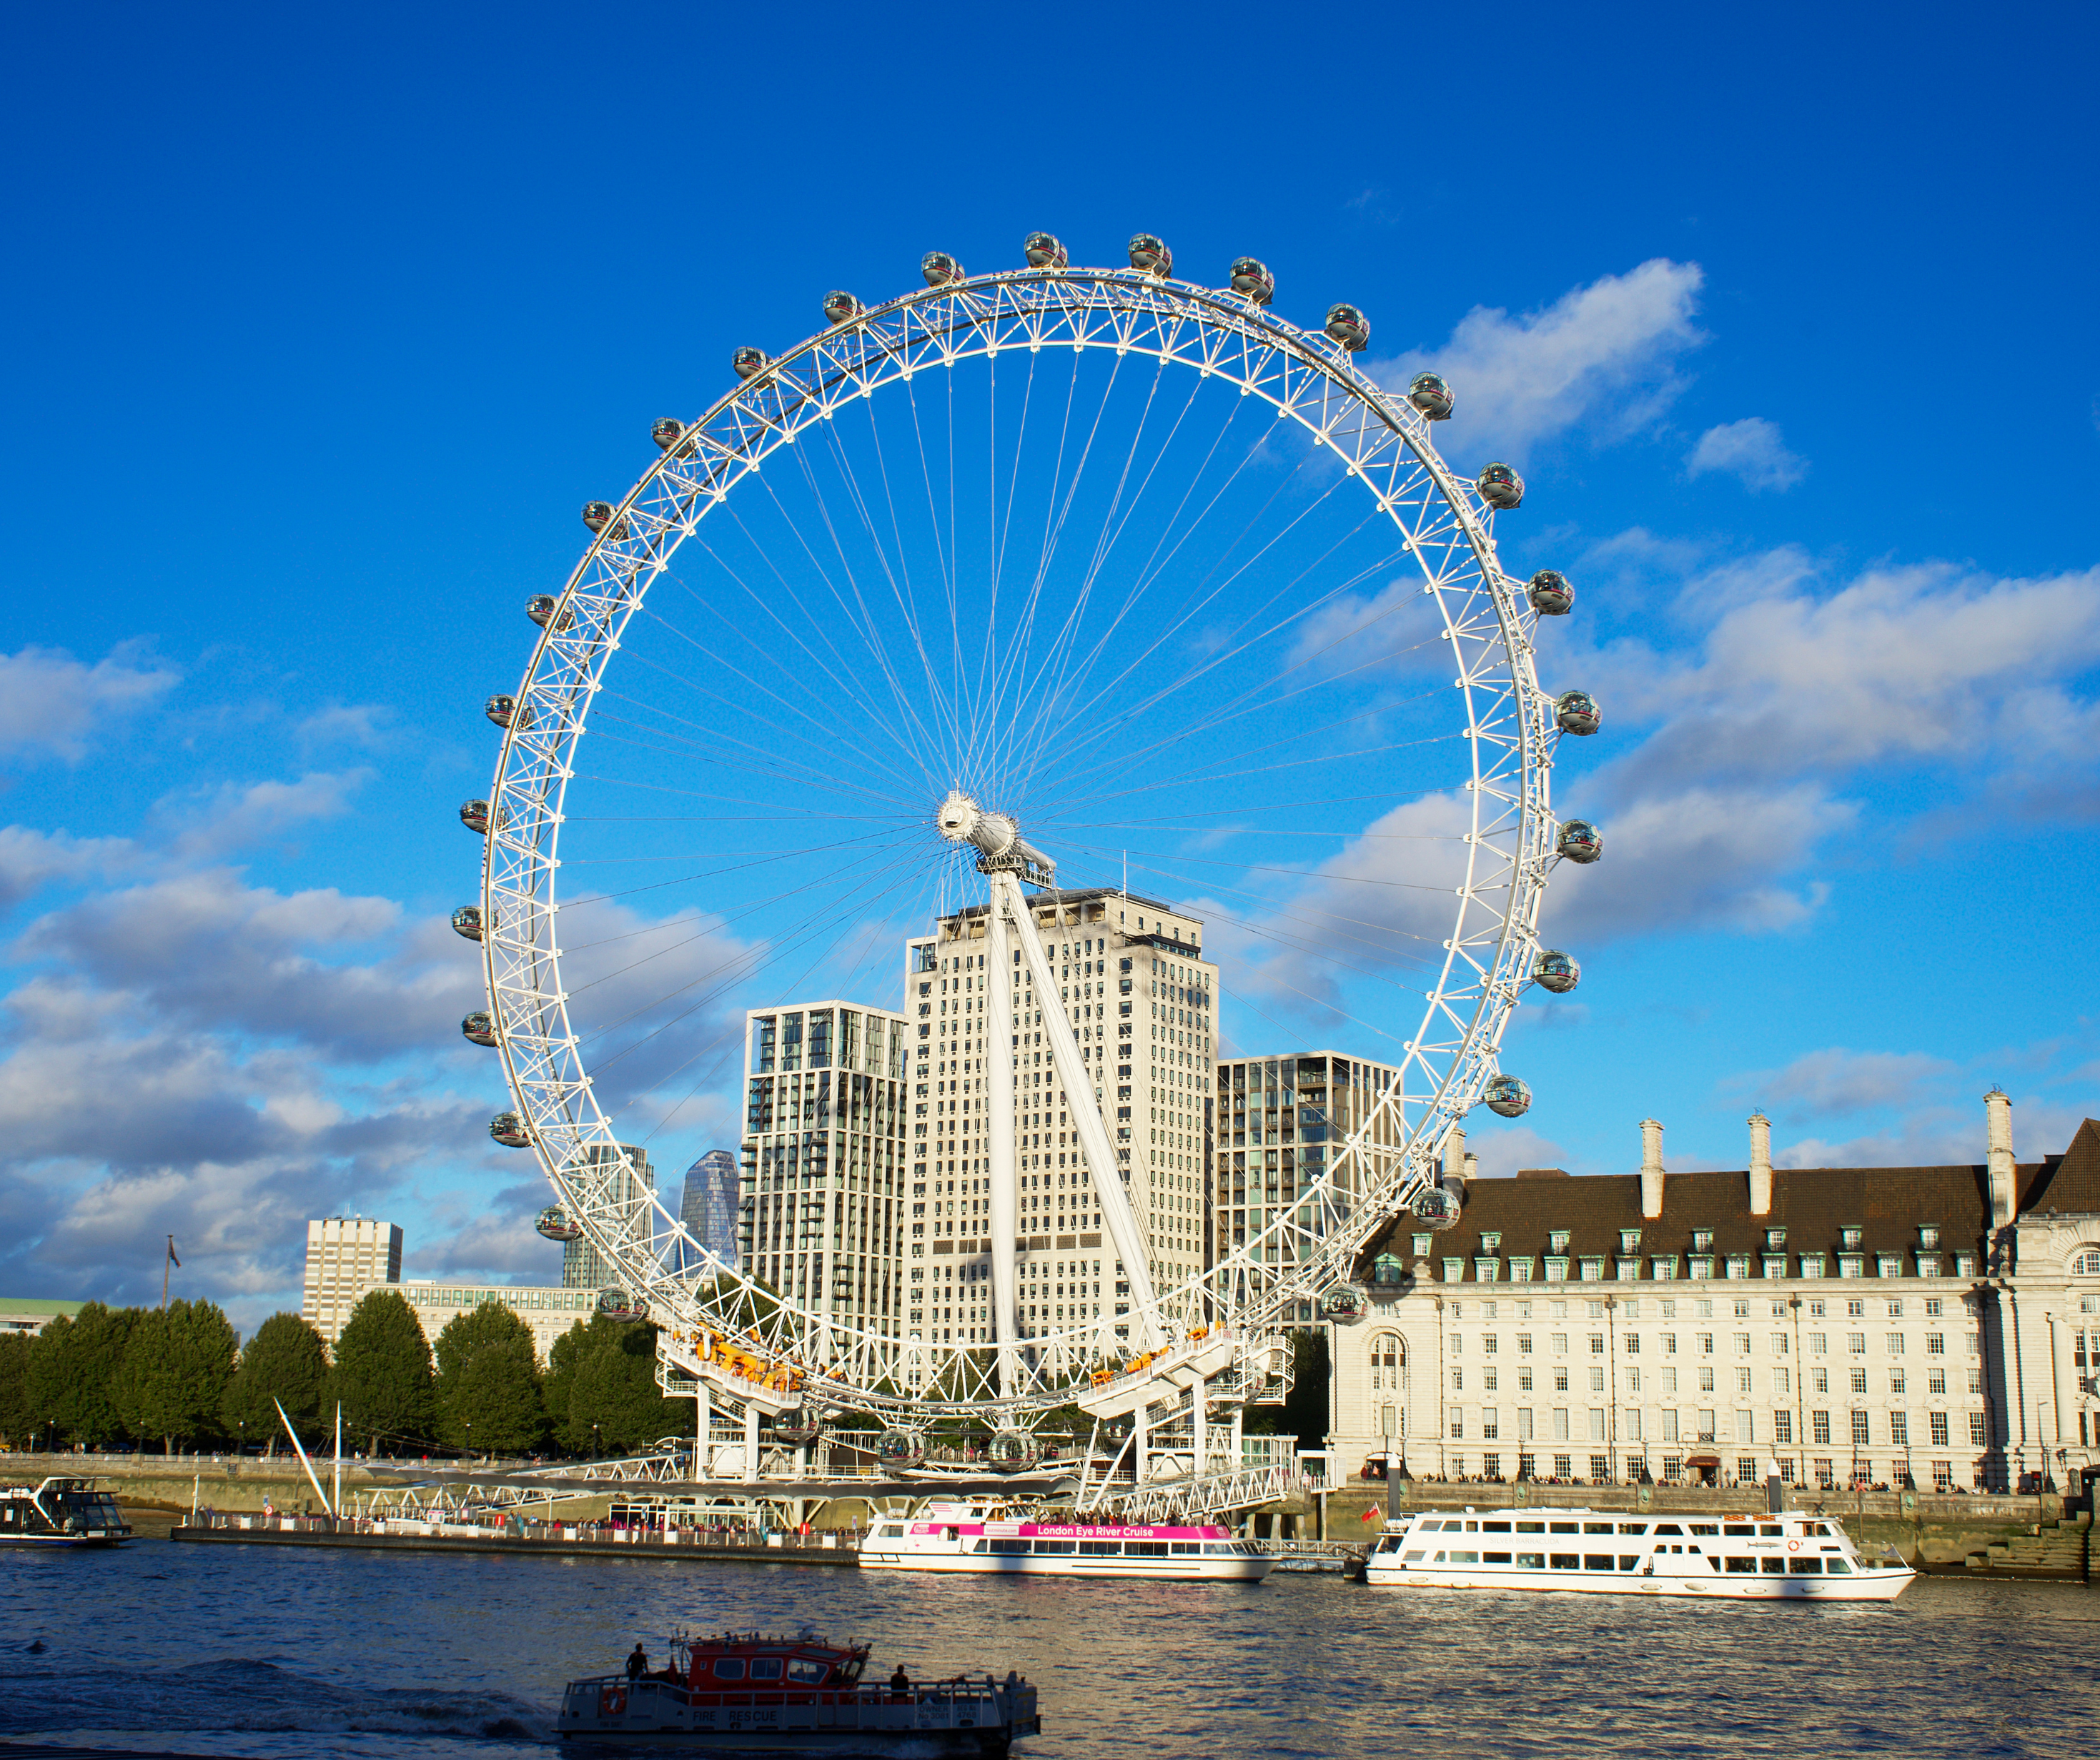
(266, 1651)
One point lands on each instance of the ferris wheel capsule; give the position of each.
(841, 307)
(510, 1130)
(1428, 392)
(473, 815)
(1435, 1206)
(1344, 1302)
(478, 1027)
(1577, 712)
(1506, 1097)
(1549, 594)
(1042, 251)
(940, 269)
(556, 1224)
(466, 921)
(508, 712)
(598, 514)
(542, 609)
(900, 1447)
(1556, 972)
(1011, 1451)
(1250, 280)
(1349, 328)
(1501, 488)
(799, 1426)
(1149, 253)
(619, 1304)
(748, 363)
(1579, 842)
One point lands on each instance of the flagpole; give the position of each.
(165, 1264)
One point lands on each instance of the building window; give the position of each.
(1938, 1422)
(1859, 1429)
(1928, 1237)
(1557, 1241)
(1898, 1428)
(1819, 1428)
(1976, 1438)
(1783, 1427)
(2086, 1264)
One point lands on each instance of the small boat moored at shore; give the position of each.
(1768, 1558)
(60, 1512)
(990, 1535)
(741, 1692)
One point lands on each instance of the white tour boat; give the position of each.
(984, 1535)
(1769, 1558)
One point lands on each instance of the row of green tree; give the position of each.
(178, 1377)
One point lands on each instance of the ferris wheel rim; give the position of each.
(1223, 311)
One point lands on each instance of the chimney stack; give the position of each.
(1998, 1109)
(1760, 1164)
(1651, 1168)
(1472, 1167)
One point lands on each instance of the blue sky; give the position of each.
(322, 327)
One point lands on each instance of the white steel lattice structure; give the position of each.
(1342, 488)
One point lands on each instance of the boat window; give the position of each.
(1566, 1561)
(1101, 1549)
(1214, 1550)
(1009, 1546)
(1531, 1561)
(1596, 1527)
(1738, 1527)
(1146, 1549)
(1772, 1566)
(892, 1533)
(728, 1668)
(1465, 1558)
(765, 1668)
(1055, 1546)
(1629, 1561)
(1183, 1545)
(809, 1670)
(1705, 1528)
(1668, 1527)
(1824, 1527)
(1567, 1527)
(1597, 1561)
(1633, 1527)
(1414, 1558)
(1838, 1567)
(978, 1545)
(1495, 1557)
(1438, 1559)
(1531, 1527)
(1744, 1565)
(1772, 1531)
(1495, 1527)
(1804, 1567)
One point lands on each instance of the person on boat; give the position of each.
(637, 1664)
(900, 1682)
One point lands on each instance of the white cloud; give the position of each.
(1602, 354)
(365, 725)
(1751, 449)
(30, 860)
(51, 703)
(221, 821)
(1837, 1082)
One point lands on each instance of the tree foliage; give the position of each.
(1304, 1413)
(285, 1362)
(17, 1421)
(177, 1364)
(74, 1370)
(382, 1372)
(488, 1395)
(604, 1374)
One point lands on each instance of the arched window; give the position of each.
(2086, 1264)
(1388, 1363)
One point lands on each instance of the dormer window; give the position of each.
(1559, 1237)
(1491, 1243)
(1852, 1237)
(1628, 1240)
(1702, 1240)
(1928, 1237)
(1775, 1238)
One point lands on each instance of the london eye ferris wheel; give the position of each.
(1021, 661)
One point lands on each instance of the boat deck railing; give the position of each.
(957, 1703)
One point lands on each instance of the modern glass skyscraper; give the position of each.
(708, 1207)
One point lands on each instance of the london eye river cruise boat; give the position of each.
(980, 1535)
(743, 1692)
(64, 1513)
(1768, 1558)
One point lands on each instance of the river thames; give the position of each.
(259, 1652)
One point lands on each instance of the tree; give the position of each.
(608, 1371)
(286, 1361)
(1304, 1413)
(383, 1371)
(73, 1367)
(17, 1414)
(177, 1364)
(488, 1382)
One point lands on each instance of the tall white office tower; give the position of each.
(1140, 1001)
(631, 1182)
(820, 1208)
(346, 1256)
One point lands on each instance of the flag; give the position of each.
(172, 1259)
(1371, 1515)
